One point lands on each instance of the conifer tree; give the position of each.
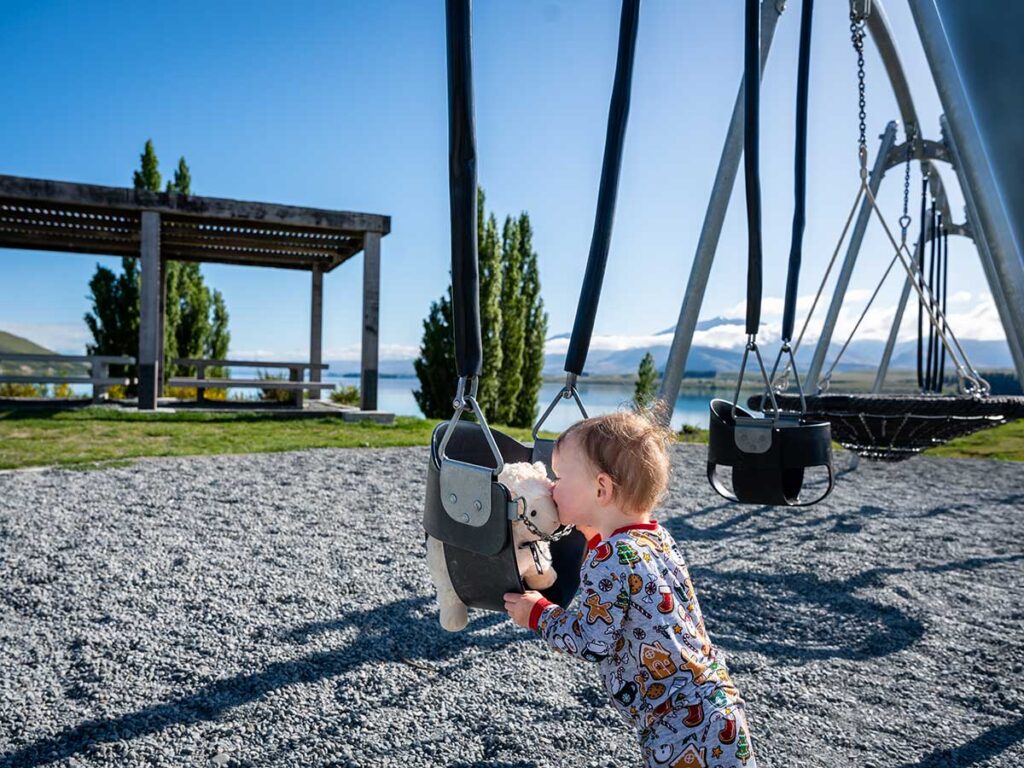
(491, 310)
(536, 330)
(148, 176)
(182, 183)
(435, 367)
(513, 323)
(189, 330)
(646, 383)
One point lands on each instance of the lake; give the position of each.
(395, 396)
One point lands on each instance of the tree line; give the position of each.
(513, 326)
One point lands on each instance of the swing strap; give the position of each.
(462, 190)
(799, 173)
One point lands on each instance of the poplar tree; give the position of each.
(435, 366)
(513, 323)
(491, 311)
(189, 329)
(536, 330)
(646, 383)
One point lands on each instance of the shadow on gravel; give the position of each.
(982, 747)
(801, 617)
(397, 631)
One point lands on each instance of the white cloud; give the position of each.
(980, 322)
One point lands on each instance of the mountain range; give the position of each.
(624, 356)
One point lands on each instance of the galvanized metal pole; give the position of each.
(890, 343)
(712, 228)
(1015, 341)
(850, 260)
(974, 170)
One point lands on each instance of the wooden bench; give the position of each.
(99, 367)
(295, 382)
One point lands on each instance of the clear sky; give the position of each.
(344, 105)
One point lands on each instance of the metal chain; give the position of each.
(857, 37)
(905, 218)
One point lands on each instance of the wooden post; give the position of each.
(316, 324)
(200, 374)
(295, 374)
(161, 331)
(99, 371)
(371, 322)
(149, 308)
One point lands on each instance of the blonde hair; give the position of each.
(631, 447)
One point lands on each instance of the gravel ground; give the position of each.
(275, 609)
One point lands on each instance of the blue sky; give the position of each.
(343, 105)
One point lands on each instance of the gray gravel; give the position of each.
(275, 609)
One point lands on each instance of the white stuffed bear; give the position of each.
(531, 482)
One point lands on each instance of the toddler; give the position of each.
(636, 613)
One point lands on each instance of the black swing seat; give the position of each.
(477, 538)
(767, 455)
(896, 427)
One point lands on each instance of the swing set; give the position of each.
(772, 444)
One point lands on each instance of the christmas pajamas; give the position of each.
(636, 615)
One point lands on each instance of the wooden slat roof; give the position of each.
(40, 214)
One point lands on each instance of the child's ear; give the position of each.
(605, 488)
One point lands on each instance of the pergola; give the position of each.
(157, 227)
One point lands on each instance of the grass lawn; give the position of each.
(93, 437)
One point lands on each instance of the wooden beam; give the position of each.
(193, 206)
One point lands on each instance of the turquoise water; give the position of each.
(395, 396)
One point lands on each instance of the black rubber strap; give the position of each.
(751, 168)
(919, 266)
(929, 379)
(618, 114)
(944, 244)
(462, 189)
(799, 172)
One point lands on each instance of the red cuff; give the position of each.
(594, 541)
(538, 609)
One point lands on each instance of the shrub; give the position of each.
(273, 394)
(345, 394)
(23, 390)
(189, 393)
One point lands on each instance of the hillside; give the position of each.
(16, 345)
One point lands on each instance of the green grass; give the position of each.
(1005, 442)
(96, 438)
(91, 438)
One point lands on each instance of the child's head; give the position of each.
(620, 459)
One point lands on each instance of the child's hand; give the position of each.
(520, 606)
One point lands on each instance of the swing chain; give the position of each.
(857, 37)
(905, 218)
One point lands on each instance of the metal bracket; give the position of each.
(923, 149)
(860, 9)
(466, 492)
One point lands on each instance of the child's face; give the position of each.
(576, 487)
